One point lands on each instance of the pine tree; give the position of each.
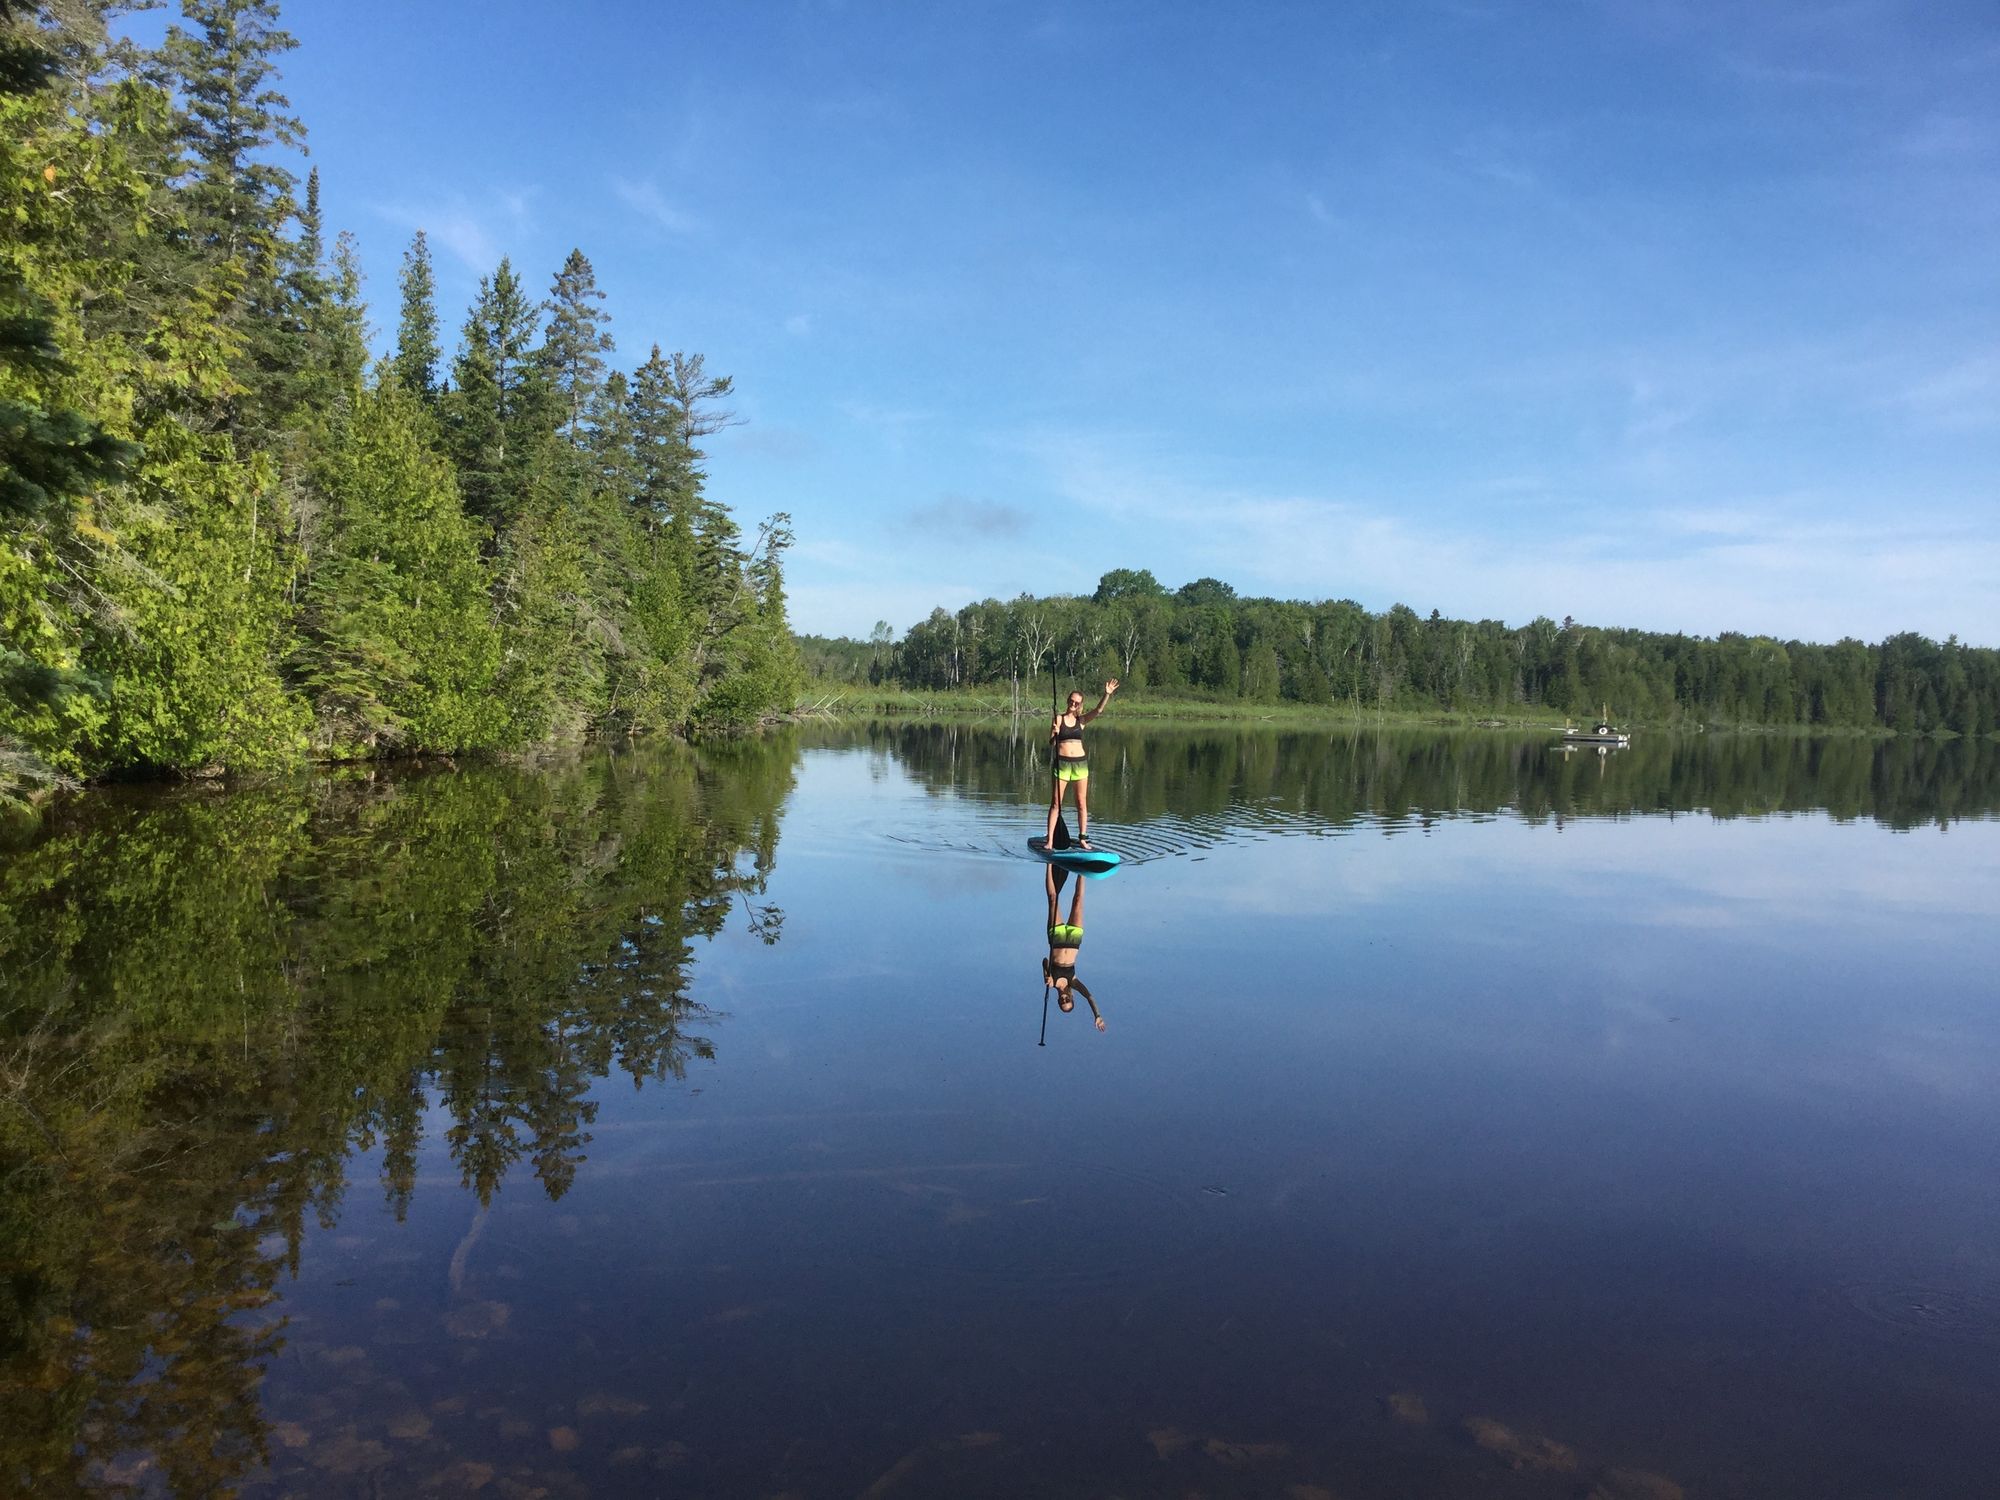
(312, 226)
(717, 587)
(661, 450)
(633, 574)
(613, 441)
(577, 341)
(340, 333)
(416, 359)
(673, 406)
(238, 200)
(500, 411)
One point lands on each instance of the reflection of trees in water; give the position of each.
(1347, 775)
(213, 1000)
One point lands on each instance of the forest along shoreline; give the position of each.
(1202, 649)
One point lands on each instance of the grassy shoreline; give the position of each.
(863, 701)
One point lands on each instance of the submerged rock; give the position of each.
(1543, 1455)
(349, 1454)
(410, 1424)
(1167, 1441)
(476, 1320)
(1407, 1406)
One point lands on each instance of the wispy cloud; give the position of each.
(791, 445)
(1794, 74)
(1752, 565)
(472, 232)
(890, 424)
(799, 325)
(1947, 135)
(1964, 394)
(646, 200)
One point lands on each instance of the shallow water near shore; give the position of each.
(1469, 1119)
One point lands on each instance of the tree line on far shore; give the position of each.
(230, 540)
(1203, 641)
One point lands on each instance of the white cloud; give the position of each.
(799, 325)
(646, 200)
(1743, 564)
(1963, 394)
(472, 233)
(890, 424)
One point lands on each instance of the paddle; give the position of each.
(1043, 1039)
(1060, 839)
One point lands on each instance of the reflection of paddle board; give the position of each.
(1093, 860)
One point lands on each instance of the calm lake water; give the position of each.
(1469, 1120)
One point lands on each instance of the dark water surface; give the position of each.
(1469, 1120)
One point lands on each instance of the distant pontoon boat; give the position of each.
(1603, 734)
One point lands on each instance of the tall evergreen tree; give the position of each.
(500, 409)
(416, 359)
(660, 447)
(578, 338)
(236, 197)
(613, 441)
(312, 225)
(340, 331)
(717, 589)
(633, 572)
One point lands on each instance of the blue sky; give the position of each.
(1676, 315)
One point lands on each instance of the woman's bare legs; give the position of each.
(1083, 812)
(1055, 811)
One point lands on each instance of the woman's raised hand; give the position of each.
(1111, 687)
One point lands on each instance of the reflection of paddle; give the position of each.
(1043, 1039)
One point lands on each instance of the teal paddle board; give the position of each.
(1092, 860)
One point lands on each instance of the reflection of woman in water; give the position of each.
(1059, 968)
(1071, 767)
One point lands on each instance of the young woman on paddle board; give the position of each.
(1070, 765)
(1065, 938)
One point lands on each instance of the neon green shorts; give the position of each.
(1072, 770)
(1062, 935)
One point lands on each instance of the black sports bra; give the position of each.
(1069, 731)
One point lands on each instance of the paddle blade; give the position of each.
(1062, 839)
